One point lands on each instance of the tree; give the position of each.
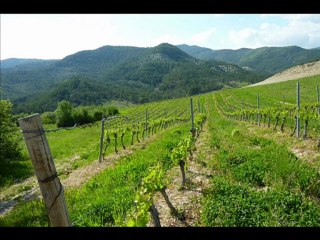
(64, 114)
(9, 142)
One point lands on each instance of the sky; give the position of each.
(55, 36)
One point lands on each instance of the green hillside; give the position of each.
(137, 75)
(274, 94)
(268, 60)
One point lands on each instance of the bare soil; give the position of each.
(300, 71)
(188, 200)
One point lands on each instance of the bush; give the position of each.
(13, 164)
(97, 115)
(82, 116)
(112, 111)
(64, 114)
(9, 142)
(48, 118)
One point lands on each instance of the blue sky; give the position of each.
(54, 36)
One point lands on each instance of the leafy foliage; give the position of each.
(8, 138)
(64, 114)
(12, 161)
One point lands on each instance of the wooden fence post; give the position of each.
(49, 182)
(101, 137)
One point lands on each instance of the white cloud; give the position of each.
(304, 33)
(302, 17)
(202, 37)
(53, 36)
(295, 17)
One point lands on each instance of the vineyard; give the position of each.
(235, 157)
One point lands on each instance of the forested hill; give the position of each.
(127, 73)
(21, 80)
(25, 62)
(267, 60)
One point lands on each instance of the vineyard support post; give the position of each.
(242, 107)
(282, 99)
(192, 119)
(42, 161)
(101, 137)
(298, 107)
(199, 105)
(146, 122)
(258, 106)
(318, 97)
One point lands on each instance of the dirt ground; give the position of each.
(300, 71)
(187, 200)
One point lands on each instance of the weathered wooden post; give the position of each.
(49, 182)
(193, 131)
(101, 137)
(298, 109)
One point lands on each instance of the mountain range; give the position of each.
(266, 60)
(138, 74)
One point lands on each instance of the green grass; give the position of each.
(14, 170)
(80, 146)
(257, 182)
(83, 142)
(106, 198)
(271, 94)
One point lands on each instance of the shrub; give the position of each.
(112, 111)
(9, 142)
(97, 115)
(82, 116)
(48, 118)
(64, 114)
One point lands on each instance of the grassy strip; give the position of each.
(258, 182)
(271, 94)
